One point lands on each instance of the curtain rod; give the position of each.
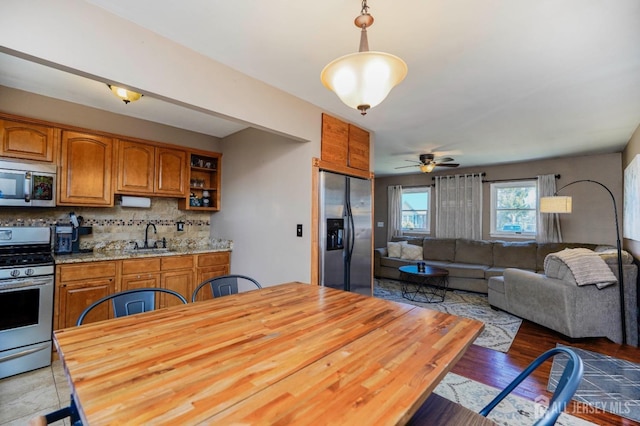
(513, 180)
(481, 174)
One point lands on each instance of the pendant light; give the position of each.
(362, 80)
(124, 94)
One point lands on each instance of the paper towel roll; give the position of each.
(141, 202)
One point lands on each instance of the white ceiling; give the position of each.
(489, 81)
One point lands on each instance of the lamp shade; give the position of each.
(362, 80)
(555, 204)
(427, 168)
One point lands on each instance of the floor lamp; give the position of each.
(557, 204)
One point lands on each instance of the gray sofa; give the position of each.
(512, 273)
(471, 263)
(564, 307)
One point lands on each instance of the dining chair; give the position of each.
(131, 302)
(226, 285)
(454, 414)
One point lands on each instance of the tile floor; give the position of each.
(26, 395)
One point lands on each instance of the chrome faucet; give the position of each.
(146, 234)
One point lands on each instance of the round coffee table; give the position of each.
(429, 286)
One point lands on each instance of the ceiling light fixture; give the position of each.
(362, 80)
(427, 168)
(124, 94)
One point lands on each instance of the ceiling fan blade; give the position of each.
(443, 159)
(447, 165)
(404, 167)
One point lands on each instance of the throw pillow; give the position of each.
(411, 252)
(394, 249)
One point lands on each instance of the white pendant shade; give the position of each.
(363, 80)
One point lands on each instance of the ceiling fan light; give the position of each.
(124, 94)
(427, 168)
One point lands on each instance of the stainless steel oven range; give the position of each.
(26, 299)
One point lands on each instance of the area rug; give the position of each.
(500, 328)
(608, 384)
(512, 411)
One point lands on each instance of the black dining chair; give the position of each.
(131, 302)
(450, 413)
(226, 285)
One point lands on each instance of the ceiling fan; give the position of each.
(428, 162)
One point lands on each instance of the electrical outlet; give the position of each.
(299, 230)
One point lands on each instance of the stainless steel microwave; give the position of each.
(25, 184)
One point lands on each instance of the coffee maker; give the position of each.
(67, 237)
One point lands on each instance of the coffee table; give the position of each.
(429, 286)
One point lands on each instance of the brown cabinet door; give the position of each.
(76, 297)
(358, 148)
(335, 140)
(27, 141)
(136, 168)
(180, 281)
(85, 170)
(204, 274)
(171, 167)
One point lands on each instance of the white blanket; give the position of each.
(586, 266)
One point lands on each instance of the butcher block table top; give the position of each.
(288, 354)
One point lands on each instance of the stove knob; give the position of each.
(15, 273)
(29, 272)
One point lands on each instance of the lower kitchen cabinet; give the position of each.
(210, 265)
(177, 275)
(78, 286)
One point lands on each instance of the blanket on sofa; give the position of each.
(585, 266)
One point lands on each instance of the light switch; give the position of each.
(299, 230)
(380, 224)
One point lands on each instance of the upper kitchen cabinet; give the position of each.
(26, 140)
(204, 182)
(85, 176)
(146, 169)
(344, 144)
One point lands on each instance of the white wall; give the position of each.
(266, 192)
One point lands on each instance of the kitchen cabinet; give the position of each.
(344, 144)
(146, 169)
(78, 286)
(177, 275)
(85, 174)
(169, 272)
(210, 265)
(28, 141)
(204, 182)
(140, 273)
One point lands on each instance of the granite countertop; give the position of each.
(96, 256)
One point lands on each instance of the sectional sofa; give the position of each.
(512, 274)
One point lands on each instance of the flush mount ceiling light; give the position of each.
(124, 94)
(364, 79)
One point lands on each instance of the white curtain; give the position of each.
(459, 206)
(548, 223)
(394, 196)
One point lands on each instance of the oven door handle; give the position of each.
(25, 282)
(26, 352)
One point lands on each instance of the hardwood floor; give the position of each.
(497, 369)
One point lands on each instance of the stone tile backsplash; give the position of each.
(118, 223)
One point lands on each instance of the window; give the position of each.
(416, 214)
(514, 208)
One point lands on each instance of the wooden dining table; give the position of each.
(287, 354)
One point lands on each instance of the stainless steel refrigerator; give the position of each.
(345, 233)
